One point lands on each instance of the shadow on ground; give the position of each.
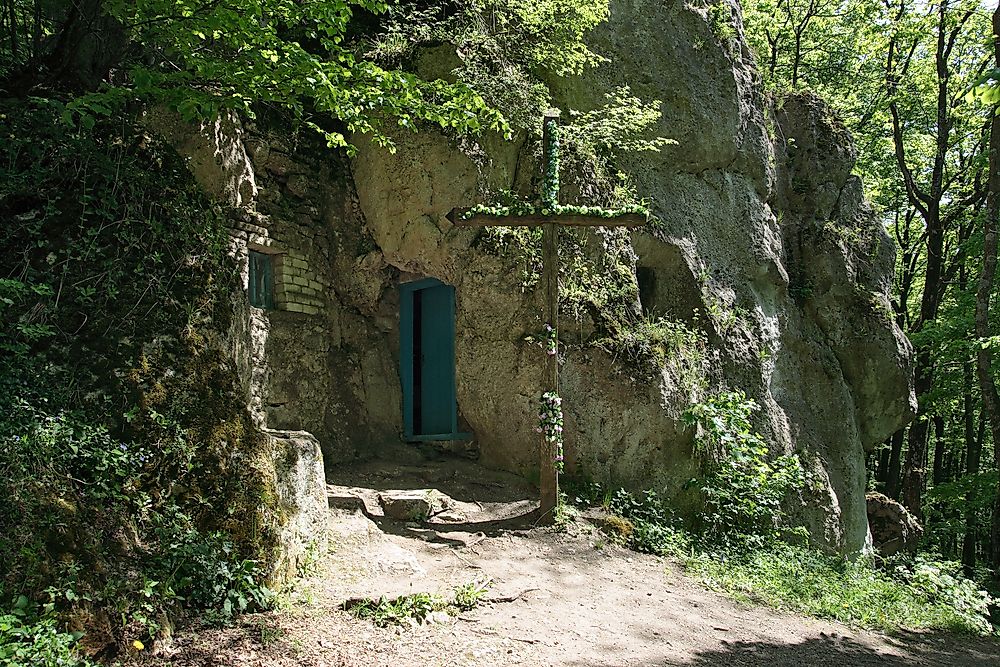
(842, 651)
(934, 650)
(480, 500)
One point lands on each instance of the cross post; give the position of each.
(549, 216)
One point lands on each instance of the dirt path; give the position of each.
(573, 601)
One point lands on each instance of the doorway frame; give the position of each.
(406, 321)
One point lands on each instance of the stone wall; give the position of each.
(330, 341)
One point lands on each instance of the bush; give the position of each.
(654, 528)
(26, 641)
(135, 484)
(735, 546)
(742, 489)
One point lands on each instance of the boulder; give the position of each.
(893, 528)
(416, 505)
(300, 482)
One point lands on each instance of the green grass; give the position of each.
(919, 594)
(924, 596)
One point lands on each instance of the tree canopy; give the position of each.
(336, 66)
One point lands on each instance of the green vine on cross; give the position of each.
(549, 215)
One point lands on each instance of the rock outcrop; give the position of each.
(764, 229)
(301, 489)
(893, 528)
(765, 243)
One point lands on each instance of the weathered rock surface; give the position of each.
(769, 236)
(765, 243)
(893, 528)
(408, 505)
(301, 487)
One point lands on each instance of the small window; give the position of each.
(261, 285)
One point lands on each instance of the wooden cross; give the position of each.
(549, 215)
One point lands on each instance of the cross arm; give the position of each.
(468, 217)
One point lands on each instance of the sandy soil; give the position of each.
(555, 598)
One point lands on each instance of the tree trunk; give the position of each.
(974, 447)
(928, 203)
(892, 479)
(915, 466)
(12, 27)
(984, 356)
(36, 31)
(882, 465)
(940, 472)
(86, 46)
(89, 45)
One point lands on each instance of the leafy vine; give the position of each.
(550, 188)
(550, 425)
(551, 340)
(520, 209)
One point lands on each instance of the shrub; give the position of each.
(134, 481)
(742, 489)
(36, 641)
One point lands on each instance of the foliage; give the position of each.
(469, 595)
(36, 642)
(524, 209)
(741, 489)
(117, 413)
(200, 58)
(397, 611)
(653, 526)
(417, 607)
(504, 48)
(662, 342)
(550, 156)
(618, 128)
(986, 88)
(952, 506)
(941, 583)
(550, 425)
(922, 596)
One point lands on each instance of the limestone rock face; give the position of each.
(408, 505)
(215, 152)
(764, 230)
(301, 485)
(765, 244)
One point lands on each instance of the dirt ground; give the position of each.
(555, 598)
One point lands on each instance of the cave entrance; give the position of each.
(427, 361)
(646, 277)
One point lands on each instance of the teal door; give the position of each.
(427, 360)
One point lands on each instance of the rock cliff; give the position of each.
(765, 245)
